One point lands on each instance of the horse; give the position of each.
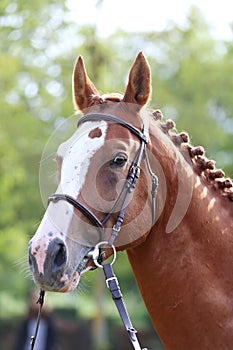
(180, 247)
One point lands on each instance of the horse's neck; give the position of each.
(185, 276)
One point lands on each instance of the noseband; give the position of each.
(130, 182)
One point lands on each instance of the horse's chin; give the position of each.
(69, 284)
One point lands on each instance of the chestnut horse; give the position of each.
(183, 258)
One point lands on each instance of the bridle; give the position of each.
(130, 182)
(124, 197)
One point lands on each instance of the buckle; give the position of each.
(111, 279)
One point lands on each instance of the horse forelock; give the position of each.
(100, 99)
(195, 155)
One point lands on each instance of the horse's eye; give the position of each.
(119, 160)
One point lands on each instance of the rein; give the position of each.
(124, 197)
(40, 301)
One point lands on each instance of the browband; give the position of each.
(113, 119)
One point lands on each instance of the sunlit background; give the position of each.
(189, 47)
(150, 15)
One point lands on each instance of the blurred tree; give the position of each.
(30, 85)
(192, 80)
(191, 75)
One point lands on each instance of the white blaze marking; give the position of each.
(79, 150)
(76, 153)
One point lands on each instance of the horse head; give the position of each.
(95, 165)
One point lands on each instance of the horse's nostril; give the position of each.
(50, 260)
(60, 257)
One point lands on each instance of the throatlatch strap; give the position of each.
(112, 284)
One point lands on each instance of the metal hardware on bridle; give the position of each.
(94, 254)
(40, 301)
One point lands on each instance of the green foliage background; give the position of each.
(192, 84)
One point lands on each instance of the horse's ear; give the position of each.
(83, 88)
(138, 89)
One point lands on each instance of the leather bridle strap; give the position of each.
(40, 301)
(91, 217)
(130, 184)
(113, 119)
(113, 285)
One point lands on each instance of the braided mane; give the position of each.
(214, 178)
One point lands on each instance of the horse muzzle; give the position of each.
(48, 265)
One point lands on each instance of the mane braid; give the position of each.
(214, 178)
